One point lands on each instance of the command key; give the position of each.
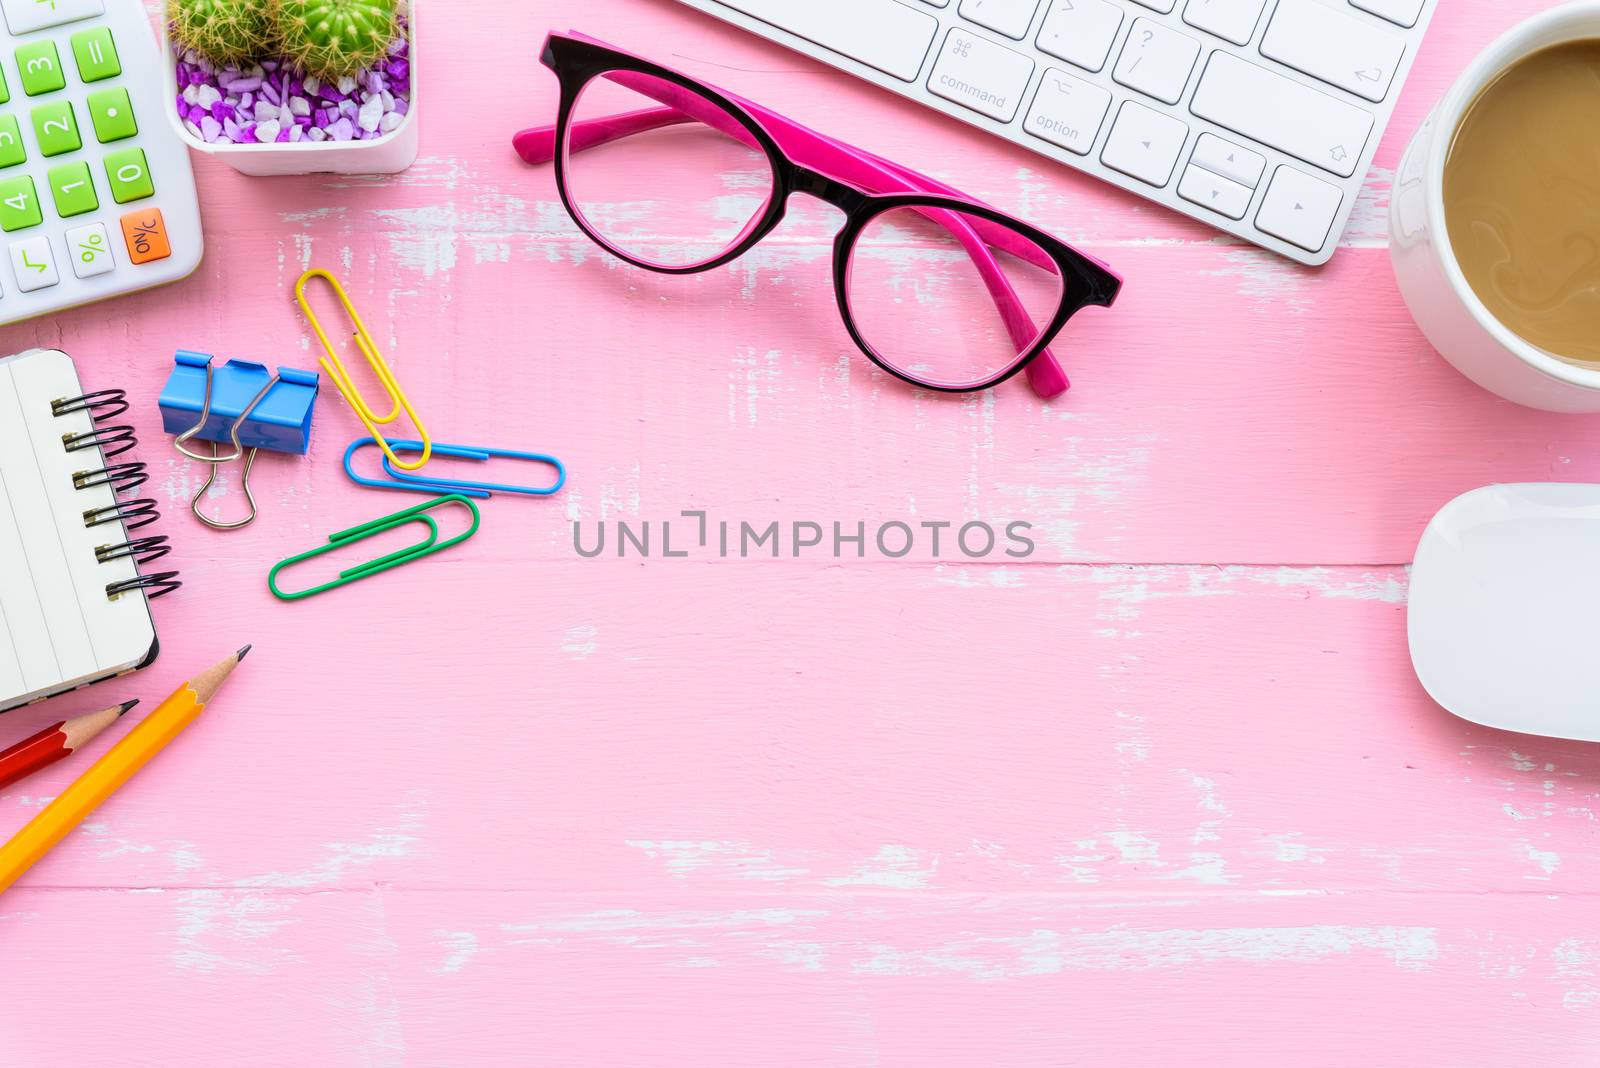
(146, 235)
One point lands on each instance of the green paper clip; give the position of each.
(426, 547)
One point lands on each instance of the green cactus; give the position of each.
(333, 38)
(224, 31)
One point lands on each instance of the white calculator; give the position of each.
(97, 196)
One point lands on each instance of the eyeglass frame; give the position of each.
(577, 59)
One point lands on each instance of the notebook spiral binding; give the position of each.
(113, 440)
(101, 404)
(139, 512)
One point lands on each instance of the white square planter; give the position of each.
(389, 154)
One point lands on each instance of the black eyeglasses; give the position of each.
(936, 288)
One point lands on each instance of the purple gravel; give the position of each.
(299, 108)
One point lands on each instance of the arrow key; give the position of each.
(1225, 197)
(1299, 208)
(34, 264)
(1232, 161)
(1144, 143)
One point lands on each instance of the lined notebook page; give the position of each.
(58, 629)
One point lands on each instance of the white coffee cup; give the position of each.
(1440, 299)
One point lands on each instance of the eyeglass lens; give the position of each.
(675, 194)
(927, 295)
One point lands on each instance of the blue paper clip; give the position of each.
(400, 480)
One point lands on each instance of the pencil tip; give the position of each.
(240, 655)
(122, 709)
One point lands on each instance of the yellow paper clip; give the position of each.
(332, 364)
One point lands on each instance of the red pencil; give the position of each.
(55, 743)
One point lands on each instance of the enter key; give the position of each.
(1340, 47)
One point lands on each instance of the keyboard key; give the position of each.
(1299, 208)
(1266, 106)
(112, 115)
(145, 234)
(25, 16)
(1162, 6)
(40, 67)
(72, 189)
(34, 264)
(19, 204)
(1209, 190)
(1156, 60)
(129, 175)
(883, 34)
(96, 54)
(1067, 111)
(1231, 20)
(56, 128)
(1144, 143)
(1229, 160)
(937, 3)
(1010, 17)
(11, 150)
(1080, 31)
(1400, 12)
(1335, 46)
(89, 249)
(979, 74)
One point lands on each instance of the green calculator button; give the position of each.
(112, 115)
(5, 90)
(129, 175)
(72, 189)
(96, 54)
(11, 150)
(56, 128)
(40, 67)
(19, 204)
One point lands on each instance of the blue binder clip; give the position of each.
(240, 403)
(400, 480)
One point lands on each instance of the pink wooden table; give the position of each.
(1165, 793)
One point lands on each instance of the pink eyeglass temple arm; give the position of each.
(843, 162)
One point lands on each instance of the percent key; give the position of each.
(89, 248)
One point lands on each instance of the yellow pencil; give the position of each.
(111, 771)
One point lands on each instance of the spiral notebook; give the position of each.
(74, 608)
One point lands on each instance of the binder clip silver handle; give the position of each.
(217, 460)
(244, 484)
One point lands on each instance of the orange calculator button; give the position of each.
(146, 234)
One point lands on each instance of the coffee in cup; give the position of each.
(1522, 199)
(1494, 219)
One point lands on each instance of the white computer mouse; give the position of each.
(1504, 616)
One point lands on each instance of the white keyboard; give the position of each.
(1259, 117)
